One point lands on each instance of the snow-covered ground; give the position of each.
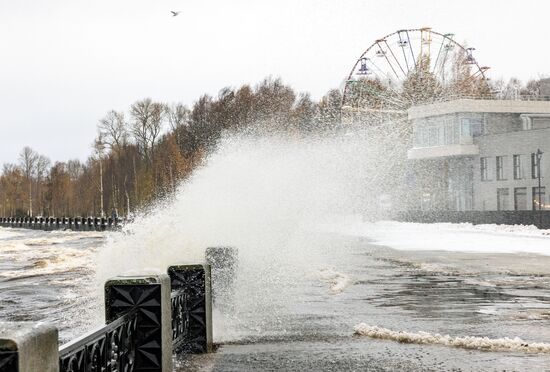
(450, 237)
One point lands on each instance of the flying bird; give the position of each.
(175, 13)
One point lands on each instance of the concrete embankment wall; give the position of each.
(540, 219)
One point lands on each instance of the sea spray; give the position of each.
(264, 195)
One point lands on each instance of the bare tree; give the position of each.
(28, 159)
(141, 115)
(178, 116)
(202, 126)
(43, 164)
(11, 187)
(531, 88)
(511, 90)
(113, 130)
(148, 120)
(329, 109)
(304, 112)
(158, 114)
(75, 169)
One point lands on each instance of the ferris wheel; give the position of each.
(413, 66)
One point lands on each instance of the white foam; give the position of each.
(7, 233)
(31, 252)
(337, 281)
(515, 344)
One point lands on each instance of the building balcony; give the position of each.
(443, 151)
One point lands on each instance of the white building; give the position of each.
(481, 154)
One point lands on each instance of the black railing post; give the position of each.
(196, 319)
(150, 295)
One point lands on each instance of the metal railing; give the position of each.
(489, 97)
(51, 223)
(180, 318)
(401, 109)
(111, 347)
(147, 317)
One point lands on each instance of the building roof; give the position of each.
(479, 106)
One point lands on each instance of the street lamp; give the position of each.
(99, 146)
(538, 155)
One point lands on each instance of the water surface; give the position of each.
(307, 319)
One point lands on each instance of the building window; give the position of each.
(540, 123)
(477, 127)
(483, 163)
(433, 136)
(539, 198)
(502, 199)
(438, 132)
(520, 198)
(451, 132)
(535, 166)
(501, 168)
(518, 167)
(472, 127)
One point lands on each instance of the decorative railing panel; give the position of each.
(110, 348)
(180, 318)
(194, 280)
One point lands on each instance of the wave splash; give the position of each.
(515, 344)
(337, 281)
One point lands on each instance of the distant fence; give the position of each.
(50, 223)
(540, 219)
(148, 318)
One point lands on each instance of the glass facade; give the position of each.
(484, 169)
(502, 199)
(520, 198)
(535, 166)
(447, 130)
(501, 167)
(518, 167)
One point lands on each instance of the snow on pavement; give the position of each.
(463, 237)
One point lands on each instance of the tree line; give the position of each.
(143, 153)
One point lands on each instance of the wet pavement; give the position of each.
(460, 294)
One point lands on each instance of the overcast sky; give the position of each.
(65, 63)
